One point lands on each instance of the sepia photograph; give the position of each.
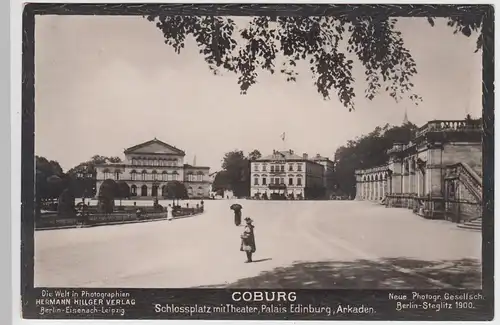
(258, 152)
(182, 177)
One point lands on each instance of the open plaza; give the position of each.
(300, 244)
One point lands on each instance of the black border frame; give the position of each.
(146, 297)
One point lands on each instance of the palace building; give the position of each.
(149, 166)
(437, 175)
(288, 174)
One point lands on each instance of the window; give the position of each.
(299, 181)
(276, 181)
(133, 175)
(290, 181)
(299, 167)
(200, 178)
(256, 181)
(256, 168)
(290, 167)
(164, 176)
(155, 162)
(106, 175)
(174, 177)
(133, 190)
(264, 167)
(264, 181)
(144, 175)
(282, 180)
(282, 168)
(272, 169)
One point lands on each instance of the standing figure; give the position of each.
(248, 240)
(170, 213)
(237, 217)
(237, 213)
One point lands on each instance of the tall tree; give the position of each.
(366, 152)
(276, 44)
(83, 175)
(254, 155)
(236, 168)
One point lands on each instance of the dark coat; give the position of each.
(248, 239)
(237, 217)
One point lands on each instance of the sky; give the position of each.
(106, 83)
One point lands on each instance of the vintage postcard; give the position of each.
(287, 162)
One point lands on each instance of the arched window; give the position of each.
(133, 175)
(164, 191)
(133, 161)
(133, 190)
(299, 180)
(154, 173)
(117, 174)
(264, 179)
(164, 176)
(144, 175)
(175, 175)
(144, 190)
(199, 176)
(106, 173)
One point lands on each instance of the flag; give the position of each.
(283, 136)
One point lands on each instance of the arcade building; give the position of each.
(438, 174)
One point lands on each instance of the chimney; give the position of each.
(291, 151)
(274, 151)
(305, 156)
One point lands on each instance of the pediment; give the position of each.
(154, 147)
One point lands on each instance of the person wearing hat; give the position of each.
(248, 240)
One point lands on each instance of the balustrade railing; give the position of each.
(468, 177)
(450, 125)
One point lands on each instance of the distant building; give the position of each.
(149, 166)
(290, 175)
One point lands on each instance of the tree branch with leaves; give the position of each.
(276, 44)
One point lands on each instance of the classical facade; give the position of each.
(149, 166)
(438, 174)
(291, 175)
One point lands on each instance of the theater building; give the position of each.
(437, 175)
(288, 174)
(149, 166)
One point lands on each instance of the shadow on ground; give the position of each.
(393, 273)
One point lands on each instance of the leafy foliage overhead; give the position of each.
(325, 43)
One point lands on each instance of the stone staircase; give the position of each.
(474, 224)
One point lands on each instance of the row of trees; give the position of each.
(54, 185)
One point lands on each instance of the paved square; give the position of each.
(300, 244)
